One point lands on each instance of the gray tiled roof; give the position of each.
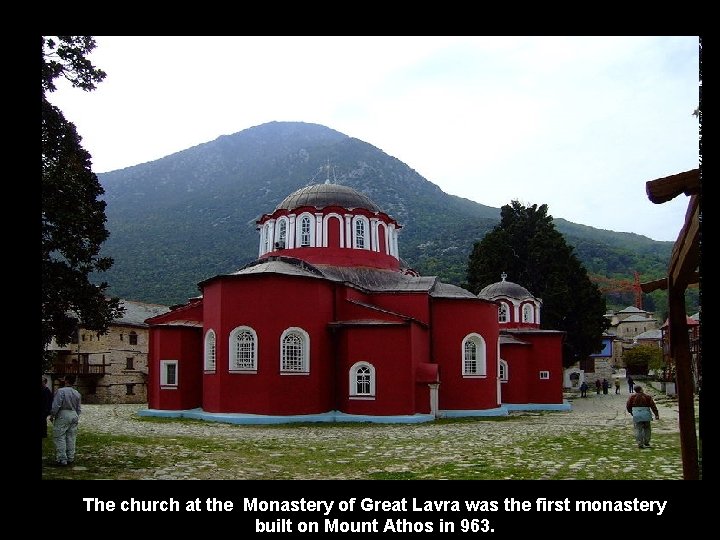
(322, 195)
(650, 334)
(632, 309)
(136, 312)
(369, 279)
(636, 318)
(505, 288)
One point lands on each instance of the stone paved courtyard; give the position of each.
(460, 449)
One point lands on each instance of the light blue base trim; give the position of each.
(499, 411)
(337, 416)
(564, 406)
(254, 419)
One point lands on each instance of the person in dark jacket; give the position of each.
(598, 386)
(642, 406)
(583, 389)
(630, 384)
(47, 398)
(605, 386)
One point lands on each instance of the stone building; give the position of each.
(110, 367)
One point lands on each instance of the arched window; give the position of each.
(305, 231)
(503, 368)
(210, 350)
(295, 351)
(528, 313)
(281, 241)
(503, 313)
(360, 232)
(474, 356)
(243, 350)
(362, 380)
(268, 240)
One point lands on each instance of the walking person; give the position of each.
(583, 389)
(64, 416)
(605, 386)
(47, 398)
(631, 383)
(642, 406)
(617, 386)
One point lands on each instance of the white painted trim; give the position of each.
(481, 349)
(352, 372)
(164, 364)
(231, 350)
(326, 228)
(206, 365)
(306, 350)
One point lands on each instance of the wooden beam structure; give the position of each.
(683, 270)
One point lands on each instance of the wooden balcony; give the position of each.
(79, 369)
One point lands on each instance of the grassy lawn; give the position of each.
(477, 449)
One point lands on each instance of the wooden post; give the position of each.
(680, 352)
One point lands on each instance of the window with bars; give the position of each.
(362, 380)
(503, 312)
(210, 351)
(295, 351)
(243, 349)
(360, 234)
(305, 231)
(474, 356)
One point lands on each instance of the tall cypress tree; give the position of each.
(526, 245)
(73, 217)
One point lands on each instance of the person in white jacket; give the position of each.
(64, 415)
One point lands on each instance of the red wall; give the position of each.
(524, 366)
(452, 321)
(175, 343)
(270, 304)
(393, 350)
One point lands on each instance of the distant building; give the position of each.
(110, 367)
(329, 325)
(625, 326)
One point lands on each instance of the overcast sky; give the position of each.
(577, 123)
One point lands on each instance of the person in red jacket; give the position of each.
(642, 406)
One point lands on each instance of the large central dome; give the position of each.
(322, 195)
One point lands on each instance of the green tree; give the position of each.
(645, 355)
(73, 217)
(526, 245)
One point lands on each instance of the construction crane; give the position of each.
(610, 285)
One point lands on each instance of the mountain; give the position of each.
(191, 215)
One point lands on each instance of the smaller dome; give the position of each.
(505, 288)
(322, 195)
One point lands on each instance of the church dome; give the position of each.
(322, 195)
(505, 288)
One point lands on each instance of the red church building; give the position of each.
(329, 325)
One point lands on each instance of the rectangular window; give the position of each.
(544, 374)
(130, 363)
(130, 389)
(168, 374)
(133, 338)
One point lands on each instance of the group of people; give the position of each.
(63, 410)
(640, 405)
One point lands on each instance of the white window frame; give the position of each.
(280, 234)
(365, 233)
(164, 365)
(480, 353)
(353, 374)
(544, 375)
(305, 343)
(299, 232)
(528, 313)
(232, 364)
(210, 360)
(503, 373)
(503, 308)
